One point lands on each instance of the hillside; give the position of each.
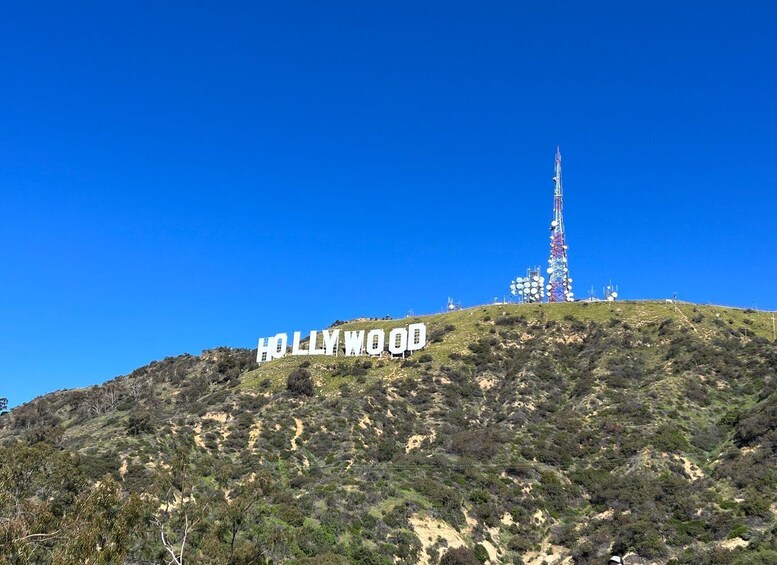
(525, 433)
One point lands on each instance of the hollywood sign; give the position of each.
(358, 342)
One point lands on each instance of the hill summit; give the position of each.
(536, 434)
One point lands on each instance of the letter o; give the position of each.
(375, 346)
(279, 347)
(398, 341)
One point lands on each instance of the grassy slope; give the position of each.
(470, 324)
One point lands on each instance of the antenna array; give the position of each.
(611, 292)
(530, 288)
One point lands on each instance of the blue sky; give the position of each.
(184, 175)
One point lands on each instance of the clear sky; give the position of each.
(177, 176)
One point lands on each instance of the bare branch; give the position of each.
(49, 535)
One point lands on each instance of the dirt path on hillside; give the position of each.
(297, 433)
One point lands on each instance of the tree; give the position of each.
(300, 382)
(103, 526)
(235, 511)
(3, 405)
(178, 517)
(38, 485)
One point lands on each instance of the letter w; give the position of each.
(354, 341)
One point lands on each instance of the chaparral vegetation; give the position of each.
(529, 434)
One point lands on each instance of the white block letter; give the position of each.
(312, 345)
(264, 350)
(354, 341)
(398, 341)
(416, 337)
(330, 340)
(281, 341)
(271, 348)
(295, 350)
(376, 339)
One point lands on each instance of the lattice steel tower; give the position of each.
(560, 285)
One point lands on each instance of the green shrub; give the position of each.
(481, 553)
(460, 556)
(139, 422)
(669, 438)
(300, 382)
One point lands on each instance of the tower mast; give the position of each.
(560, 285)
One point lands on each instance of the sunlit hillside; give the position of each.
(519, 434)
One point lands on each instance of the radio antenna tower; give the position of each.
(560, 285)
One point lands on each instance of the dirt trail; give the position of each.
(297, 433)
